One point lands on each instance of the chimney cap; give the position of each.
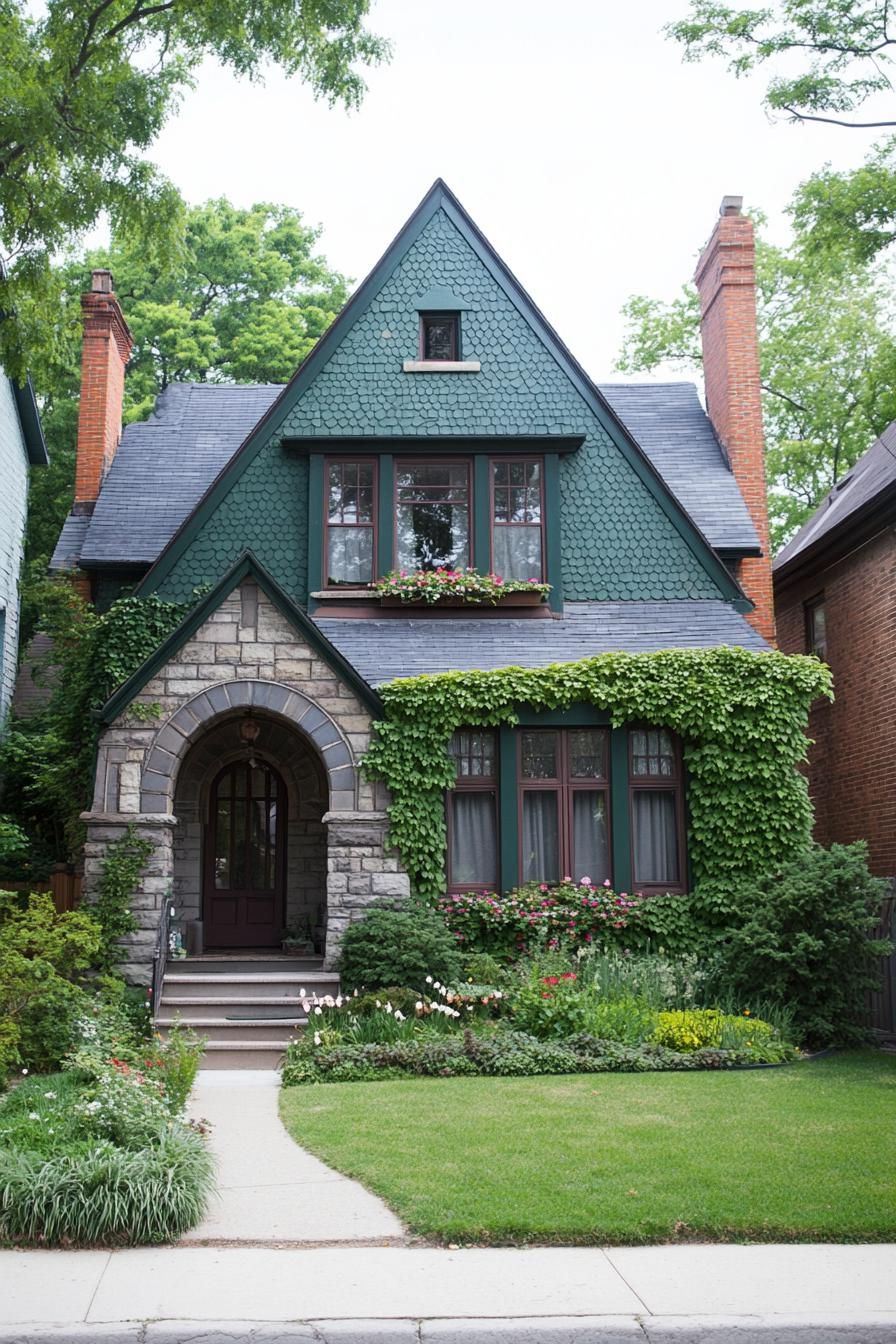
(731, 205)
(101, 282)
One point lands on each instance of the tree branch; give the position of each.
(835, 121)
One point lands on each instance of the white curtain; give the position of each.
(655, 836)
(518, 552)
(541, 837)
(590, 846)
(350, 558)
(474, 849)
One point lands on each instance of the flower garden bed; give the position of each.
(457, 588)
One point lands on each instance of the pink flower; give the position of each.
(606, 881)
(584, 881)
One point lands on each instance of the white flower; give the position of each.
(33, 1115)
(317, 1038)
(418, 1006)
(24, 1071)
(318, 1012)
(51, 1096)
(399, 1017)
(429, 979)
(301, 993)
(378, 1004)
(388, 1007)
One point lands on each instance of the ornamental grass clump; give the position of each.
(467, 585)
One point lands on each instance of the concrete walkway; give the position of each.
(421, 1295)
(270, 1191)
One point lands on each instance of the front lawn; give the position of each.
(792, 1154)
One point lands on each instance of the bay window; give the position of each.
(350, 545)
(472, 811)
(517, 514)
(656, 809)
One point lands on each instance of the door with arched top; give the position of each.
(245, 858)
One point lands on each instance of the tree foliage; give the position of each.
(828, 365)
(837, 53)
(85, 88)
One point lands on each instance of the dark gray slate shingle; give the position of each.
(675, 432)
(383, 649)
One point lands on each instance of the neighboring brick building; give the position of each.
(835, 595)
(439, 422)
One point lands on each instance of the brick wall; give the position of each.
(852, 764)
(726, 280)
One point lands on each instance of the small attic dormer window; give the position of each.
(440, 336)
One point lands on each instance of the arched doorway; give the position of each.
(244, 888)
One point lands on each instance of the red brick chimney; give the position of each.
(107, 345)
(726, 282)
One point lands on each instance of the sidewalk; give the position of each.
(270, 1191)
(410, 1295)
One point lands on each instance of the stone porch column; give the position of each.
(359, 872)
(154, 886)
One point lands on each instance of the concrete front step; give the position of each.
(222, 1008)
(273, 984)
(262, 1054)
(281, 1029)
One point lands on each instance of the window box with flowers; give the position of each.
(457, 588)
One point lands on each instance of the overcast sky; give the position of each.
(592, 158)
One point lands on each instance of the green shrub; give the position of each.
(483, 969)
(106, 1196)
(14, 849)
(43, 958)
(498, 1054)
(627, 1019)
(802, 940)
(551, 1006)
(398, 946)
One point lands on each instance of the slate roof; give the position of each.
(165, 464)
(161, 470)
(869, 480)
(382, 650)
(670, 424)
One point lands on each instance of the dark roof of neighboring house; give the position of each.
(870, 484)
(670, 424)
(165, 464)
(383, 649)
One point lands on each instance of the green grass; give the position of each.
(801, 1153)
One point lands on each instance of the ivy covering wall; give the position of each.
(741, 717)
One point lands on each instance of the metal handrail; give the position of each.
(160, 955)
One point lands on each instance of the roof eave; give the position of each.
(29, 418)
(855, 529)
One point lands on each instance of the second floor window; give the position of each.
(432, 515)
(517, 520)
(351, 526)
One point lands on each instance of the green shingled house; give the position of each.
(440, 422)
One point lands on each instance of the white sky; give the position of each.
(592, 158)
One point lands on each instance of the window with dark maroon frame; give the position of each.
(433, 513)
(564, 804)
(656, 807)
(472, 811)
(816, 632)
(439, 336)
(517, 518)
(350, 522)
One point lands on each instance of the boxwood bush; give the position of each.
(397, 945)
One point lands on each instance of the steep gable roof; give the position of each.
(441, 198)
(868, 487)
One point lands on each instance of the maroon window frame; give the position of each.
(405, 464)
(496, 489)
(657, 768)
(565, 785)
(347, 466)
(816, 631)
(475, 755)
(428, 323)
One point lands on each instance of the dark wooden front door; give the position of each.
(245, 858)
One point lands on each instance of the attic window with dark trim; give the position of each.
(816, 634)
(440, 336)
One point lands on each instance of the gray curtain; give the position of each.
(655, 836)
(590, 847)
(541, 836)
(474, 849)
(518, 552)
(350, 558)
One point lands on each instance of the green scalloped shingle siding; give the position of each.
(266, 511)
(617, 542)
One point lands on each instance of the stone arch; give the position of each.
(195, 716)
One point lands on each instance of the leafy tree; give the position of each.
(838, 54)
(828, 366)
(845, 49)
(85, 88)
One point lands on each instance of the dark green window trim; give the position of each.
(620, 809)
(481, 508)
